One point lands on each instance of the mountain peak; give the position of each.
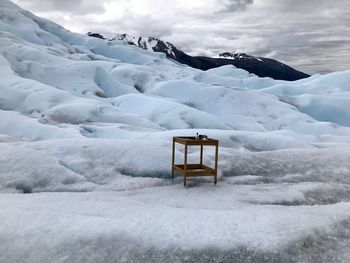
(229, 55)
(147, 43)
(262, 67)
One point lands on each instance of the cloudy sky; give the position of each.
(311, 35)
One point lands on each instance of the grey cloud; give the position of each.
(312, 35)
(69, 6)
(147, 26)
(235, 5)
(137, 25)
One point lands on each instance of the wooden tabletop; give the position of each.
(191, 140)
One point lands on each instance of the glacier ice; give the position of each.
(86, 128)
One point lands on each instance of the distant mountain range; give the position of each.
(260, 66)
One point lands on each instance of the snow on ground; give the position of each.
(171, 223)
(86, 127)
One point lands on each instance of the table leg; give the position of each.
(185, 164)
(173, 161)
(216, 163)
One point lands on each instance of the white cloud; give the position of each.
(77, 6)
(297, 32)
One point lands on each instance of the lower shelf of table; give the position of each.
(195, 170)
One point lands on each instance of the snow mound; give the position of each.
(58, 77)
(63, 85)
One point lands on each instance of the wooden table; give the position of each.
(197, 169)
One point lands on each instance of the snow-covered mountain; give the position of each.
(262, 67)
(230, 55)
(147, 43)
(96, 117)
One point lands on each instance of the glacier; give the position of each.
(86, 127)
